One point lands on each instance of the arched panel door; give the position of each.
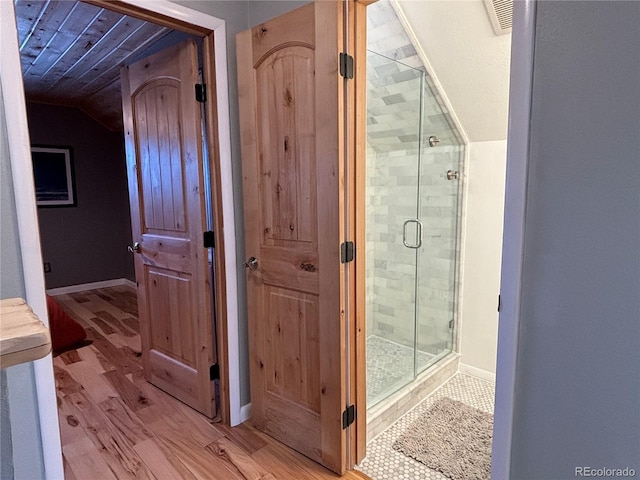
(166, 191)
(294, 143)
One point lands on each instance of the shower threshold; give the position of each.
(390, 366)
(387, 411)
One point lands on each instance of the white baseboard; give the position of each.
(477, 372)
(245, 412)
(83, 287)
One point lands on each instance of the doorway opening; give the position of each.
(118, 32)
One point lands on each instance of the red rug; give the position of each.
(65, 331)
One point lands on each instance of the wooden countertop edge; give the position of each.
(23, 336)
(24, 356)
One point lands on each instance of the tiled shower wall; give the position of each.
(399, 89)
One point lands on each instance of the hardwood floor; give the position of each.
(115, 425)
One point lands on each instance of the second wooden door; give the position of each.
(291, 101)
(166, 189)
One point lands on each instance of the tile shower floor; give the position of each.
(384, 463)
(389, 367)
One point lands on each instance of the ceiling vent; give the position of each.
(501, 14)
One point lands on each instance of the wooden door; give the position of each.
(166, 189)
(292, 102)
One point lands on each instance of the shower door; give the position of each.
(442, 152)
(393, 134)
(411, 225)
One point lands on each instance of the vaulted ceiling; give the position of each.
(72, 53)
(470, 61)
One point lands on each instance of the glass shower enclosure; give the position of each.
(414, 155)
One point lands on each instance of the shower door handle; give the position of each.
(404, 233)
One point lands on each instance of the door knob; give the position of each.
(135, 248)
(251, 264)
(452, 175)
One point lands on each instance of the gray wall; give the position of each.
(262, 10)
(21, 452)
(6, 447)
(88, 242)
(577, 386)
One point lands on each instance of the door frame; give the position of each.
(355, 181)
(511, 284)
(19, 147)
(181, 18)
(213, 32)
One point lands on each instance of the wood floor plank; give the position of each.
(199, 427)
(271, 458)
(65, 383)
(86, 462)
(200, 430)
(95, 385)
(355, 475)
(200, 462)
(158, 462)
(287, 464)
(122, 341)
(112, 444)
(79, 297)
(114, 354)
(68, 473)
(123, 328)
(132, 323)
(122, 298)
(246, 438)
(93, 357)
(99, 303)
(132, 355)
(178, 415)
(111, 314)
(105, 328)
(71, 356)
(70, 428)
(82, 313)
(125, 420)
(163, 404)
(235, 456)
(132, 396)
(104, 294)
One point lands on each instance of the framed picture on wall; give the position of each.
(53, 175)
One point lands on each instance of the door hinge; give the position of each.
(201, 92)
(214, 372)
(209, 239)
(499, 303)
(346, 65)
(348, 416)
(347, 252)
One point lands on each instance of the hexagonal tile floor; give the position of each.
(384, 463)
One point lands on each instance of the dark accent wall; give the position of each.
(88, 242)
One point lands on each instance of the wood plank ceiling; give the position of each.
(72, 53)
